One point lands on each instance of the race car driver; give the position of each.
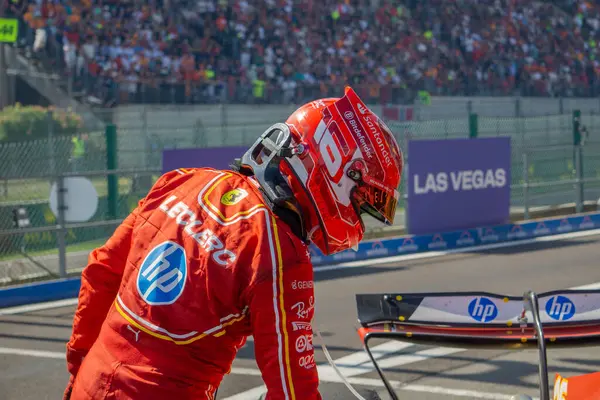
(210, 257)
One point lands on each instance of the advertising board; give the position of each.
(458, 184)
(212, 157)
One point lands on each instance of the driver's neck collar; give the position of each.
(287, 211)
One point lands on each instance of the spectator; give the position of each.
(291, 50)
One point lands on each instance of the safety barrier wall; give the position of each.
(68, 288)
(460, 239)
(38, 292)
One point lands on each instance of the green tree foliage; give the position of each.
(21, 123)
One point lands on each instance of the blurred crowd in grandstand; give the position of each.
(291, 50)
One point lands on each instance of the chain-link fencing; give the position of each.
(34, 251)
(547, 170)
(28, 171)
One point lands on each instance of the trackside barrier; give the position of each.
(39, 292)
(460, 239)
(69, 288)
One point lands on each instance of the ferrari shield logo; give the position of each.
(233, 197)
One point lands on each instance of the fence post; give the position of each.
(51, 157)
(224, 123)
(71, 71)
(111, 165)
(579, 179)
(61, 233)
(525, 186)
(406, 197)
(561, 106)
(147, 148)
(578, 149)
(473, 126)
(60, 195)
(576, 127)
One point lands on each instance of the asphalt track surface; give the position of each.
(32, 343)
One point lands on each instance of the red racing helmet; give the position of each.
(339, 161)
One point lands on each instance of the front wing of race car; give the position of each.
(479, 319)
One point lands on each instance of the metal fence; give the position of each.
(50, 245)
(152, 129)
(547, 170)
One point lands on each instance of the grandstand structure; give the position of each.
(287, 51)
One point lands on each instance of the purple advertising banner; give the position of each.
(458, 184)
(212, 157)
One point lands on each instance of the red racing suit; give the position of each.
(166, 303)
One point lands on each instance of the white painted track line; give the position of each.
(245, 371)
(37, 307)
(359, 363)
(250, 394)
(33, 353)
(254, 393)
(419, 356)
(469, 394)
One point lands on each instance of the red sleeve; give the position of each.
(281, 306)
(100, 281)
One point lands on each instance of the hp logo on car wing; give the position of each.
(483, 309)
(560, 308)
(162, 275)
